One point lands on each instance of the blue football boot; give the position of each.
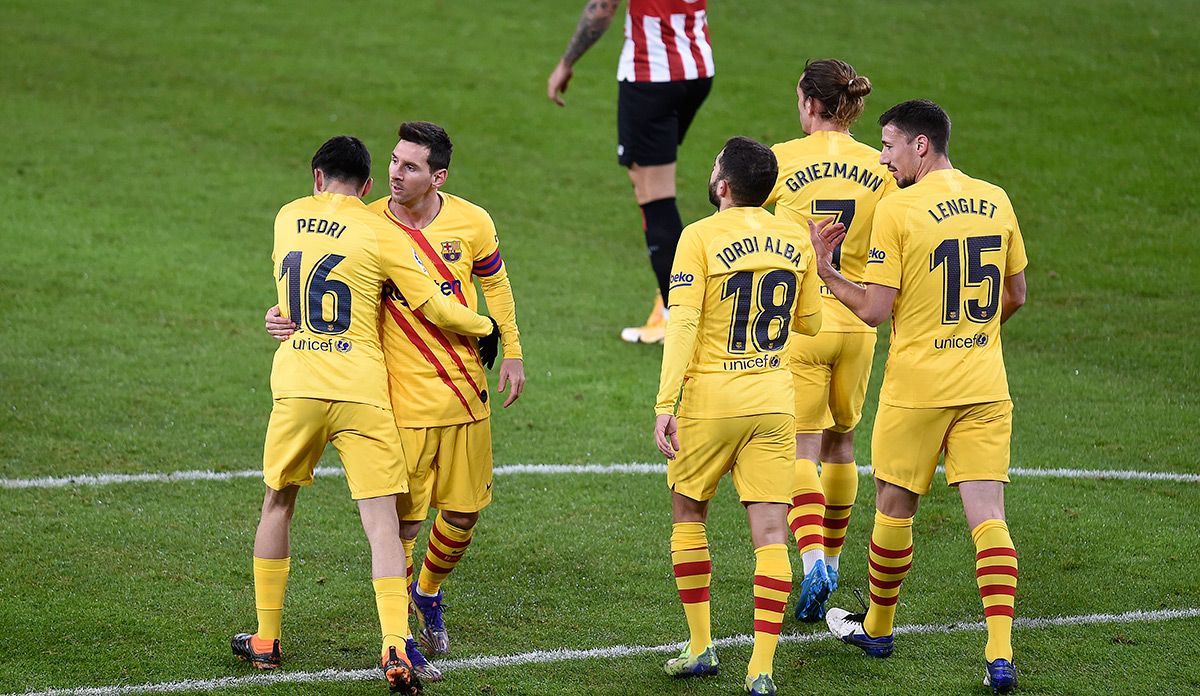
(814, 590)
(1001, 675)
(848, 628)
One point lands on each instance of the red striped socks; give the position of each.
(889, 560)
(447, 544)
(693, 572)
(840, 483)
(772, 584)
(996, 575)
(806, 513)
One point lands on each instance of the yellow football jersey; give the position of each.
(435, 376)
(832, 174)
(331, 259)
(946, 243)
(752, 275)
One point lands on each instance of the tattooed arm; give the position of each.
(597, 15)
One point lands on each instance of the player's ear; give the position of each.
(922, 143)
(366, 188)
(318, 181)
(439, 177)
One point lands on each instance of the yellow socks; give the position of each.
(270, 584)
(391, 599)
(408, 545)
(772, 584)
(447, 544)
(996, 575)
(840, 483)
(693, 572)
(806, 513)
(889, 559)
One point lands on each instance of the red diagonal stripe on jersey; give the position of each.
(890, 553)
(808, 499)
(835, 523)
(770, 604)
(996, 570)
(694, 596)
(998, 610)
(447, 541)
(770, 583)
(989, 590)
(440, 337)
(693, 568)
(424, 349)
(998, 551)
(423, 244)
(771, 627)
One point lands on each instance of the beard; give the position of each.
(712, 195)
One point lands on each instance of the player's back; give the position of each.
(828, 174)
(752, 275)
(947, 242)
(329, 278)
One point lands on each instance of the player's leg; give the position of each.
(904, 451)
(648, 136)
(849, 375)
(462, 488)
(296, 437)
(420, 452)
(810, 360)
(692, 477)
(977, 458)
(373, 458)
(761, 478)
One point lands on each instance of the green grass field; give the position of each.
(148, 145)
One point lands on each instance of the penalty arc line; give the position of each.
(542, 469)
(565, 655)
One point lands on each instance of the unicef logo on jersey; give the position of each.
(342, 345)
(774, 361)
(981, 340)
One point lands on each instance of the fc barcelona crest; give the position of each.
(452, 250)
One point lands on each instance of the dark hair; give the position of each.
(432, 136)
(344, 158)
(750, 168)
(921, 117)
(839, 89)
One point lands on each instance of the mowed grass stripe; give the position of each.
(568, 655)
(544, 469)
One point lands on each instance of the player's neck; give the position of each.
(420, 212)
(827, 127)
(934, 164)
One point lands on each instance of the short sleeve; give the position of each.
(883, 259)
(1016, 260)
(809, 300)
(689, 271)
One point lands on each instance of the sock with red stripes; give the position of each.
(772, 584)
(408, 545)
(447, 544)
(839, 481)
(807, 513)
(889, 560)
(693, 572)
(996, 575)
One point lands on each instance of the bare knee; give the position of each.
(837, 448)
(409, 529)
(462, 520)
(895, 501)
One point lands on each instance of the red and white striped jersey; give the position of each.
(666, 40)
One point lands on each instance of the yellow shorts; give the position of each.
(975, 437)
(831, 371)
(760, 450)
(449, 467)
(365, 437)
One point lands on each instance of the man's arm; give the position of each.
(1013, 296)
(497, 291)
(597, 15)
(678, 348)
(873, 303)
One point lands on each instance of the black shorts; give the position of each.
(653, 117)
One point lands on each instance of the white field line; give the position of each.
(545, 469)
(563, 655)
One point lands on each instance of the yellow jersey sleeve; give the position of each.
(488, 267)
(884, 260)
(808, 300)
(1016, 260)
(688, 271)
(678, 348)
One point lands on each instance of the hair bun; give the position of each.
(858, 86)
